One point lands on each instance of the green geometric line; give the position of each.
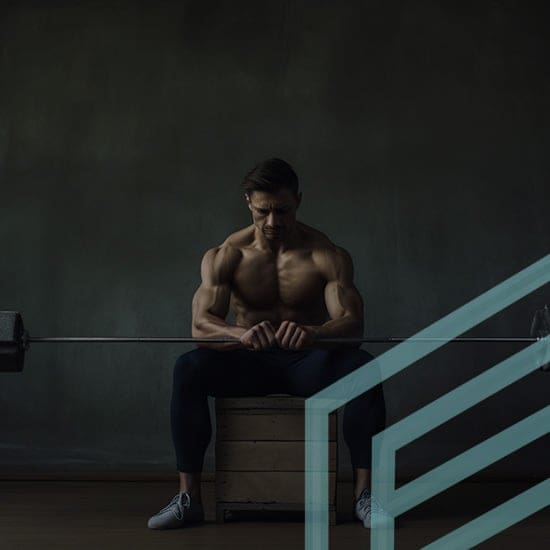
(471, 461)
(374, 372)
(496, 520)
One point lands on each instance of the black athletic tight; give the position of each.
(205, 372)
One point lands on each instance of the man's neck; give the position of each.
(278, 246)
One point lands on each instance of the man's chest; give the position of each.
(292, 279)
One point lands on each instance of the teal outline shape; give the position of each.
(321, 404)
(495, 520)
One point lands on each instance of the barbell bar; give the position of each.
(15, 340)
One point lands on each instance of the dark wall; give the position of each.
(419, 131)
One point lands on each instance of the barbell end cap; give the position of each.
(25, 344)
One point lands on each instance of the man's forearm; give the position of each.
(344, 327)
(213, 327)
(217, 328)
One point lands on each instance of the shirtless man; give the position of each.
(287, 285)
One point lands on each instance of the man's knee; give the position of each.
(356, 357)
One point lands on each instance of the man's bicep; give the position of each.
(213, 295)
(210, 300)
(341, 296)
(343, 300)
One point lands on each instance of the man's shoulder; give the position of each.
(327, 255)
(223, 258)
(232, 246)
(239, 239)
(317, 241)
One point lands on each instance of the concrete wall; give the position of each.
(420, 134)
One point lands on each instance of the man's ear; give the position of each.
(299, 199)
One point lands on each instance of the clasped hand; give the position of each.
(289, 335)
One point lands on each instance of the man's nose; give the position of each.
(271, 219)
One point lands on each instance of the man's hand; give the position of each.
(291, 335)
(259, 337)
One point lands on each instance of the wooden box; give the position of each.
(260, 455)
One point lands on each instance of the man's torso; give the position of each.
(277, 286)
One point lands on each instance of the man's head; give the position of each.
(271, 191)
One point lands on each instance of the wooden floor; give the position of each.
(82, 515)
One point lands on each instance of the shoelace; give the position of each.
(179, 505)
(369, 504)
(364, 502)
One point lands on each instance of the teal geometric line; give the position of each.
(446, 407)
(470, 393)
(452, 325)
(438, 479)
(471, 461)
(380, 369)
(451, 472)
(495, 520)
(316, 458)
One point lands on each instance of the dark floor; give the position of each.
(113, 515)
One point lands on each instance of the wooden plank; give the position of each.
(266, 456)
(279, 427)
(265, 487)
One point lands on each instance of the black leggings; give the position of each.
(205, 372)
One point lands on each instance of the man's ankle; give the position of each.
(193, 493)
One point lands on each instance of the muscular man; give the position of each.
(287, 285)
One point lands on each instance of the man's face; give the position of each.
(274, 213)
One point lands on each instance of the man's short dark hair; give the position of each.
(271, 175)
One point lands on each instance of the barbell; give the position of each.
(15, 340)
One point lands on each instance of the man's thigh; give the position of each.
(320, 367)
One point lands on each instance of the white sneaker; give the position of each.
(180, 512)
(369, 511)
